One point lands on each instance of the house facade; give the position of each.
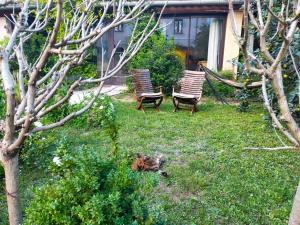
(201, 30)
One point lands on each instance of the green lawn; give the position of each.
(212, 179)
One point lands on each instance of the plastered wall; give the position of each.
(231, 48)
(4, 31)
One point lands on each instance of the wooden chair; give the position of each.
(144, 90)
(191, 90)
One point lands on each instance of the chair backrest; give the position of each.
(142, 82)
(192, 83)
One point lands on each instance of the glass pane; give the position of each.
(181, 40)
(122, 36)
(206, 39)
(178, 26)
(102, 45)
(199, 42)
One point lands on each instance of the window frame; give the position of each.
(119, 28)
(177, 22)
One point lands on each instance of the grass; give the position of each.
(212, 179)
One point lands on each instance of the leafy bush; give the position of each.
(227, 74)
(87, 189)
(103, 115)
(224, 90)
(159, 56)
(98, 115)
(88, 69)
(245, 96)
(60, 112)
(35, 44)
(1, 173)
(39, 147)
(36, 149)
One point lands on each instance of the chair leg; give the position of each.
(157, 105)
(140, 105)
(175, 105)
(194, 109)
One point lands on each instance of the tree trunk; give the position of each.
(11, 169)
(285, 112)
(295, 213)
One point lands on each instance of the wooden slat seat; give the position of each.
(191, 86)
(144, 90)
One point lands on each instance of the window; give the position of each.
(178, 26)
(119, 28)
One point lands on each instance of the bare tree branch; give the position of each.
(275, 120)
(69, 36)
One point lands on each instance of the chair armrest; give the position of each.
(176, 88)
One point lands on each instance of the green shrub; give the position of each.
(36, 149)
(100, 113)
(245, 96)
(1, 173)
(88, 189)
(129, 83)
(88, 69)
(227, 74)
(60, 112)
(159, 56)
(103, 115)
(223, 89)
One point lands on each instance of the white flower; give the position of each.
(56, 160)
(37, 124)
(101, 107)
